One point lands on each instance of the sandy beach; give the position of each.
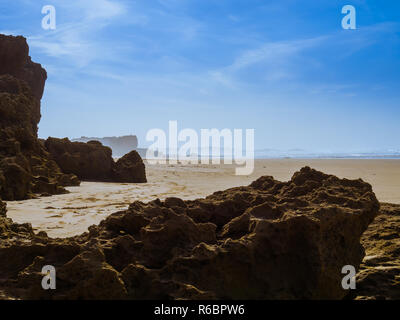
(71, 214)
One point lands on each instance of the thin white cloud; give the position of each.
(93, 9)
(275, 57)
(282, 60)
(103, 9)
(76, 40)
(274, 52)
(10, 32)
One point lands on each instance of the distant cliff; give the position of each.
(119, 145)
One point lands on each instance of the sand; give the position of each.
(71, 214)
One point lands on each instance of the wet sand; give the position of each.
(71, 214)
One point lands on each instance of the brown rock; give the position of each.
(3, 209)
(25, 167)
(15, 61)
(93, 161)
(130, 168)
(379, 276)
(173, 232)
(88, 276)
(89, 161)
(271, 240)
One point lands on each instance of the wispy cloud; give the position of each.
(274, 53)
(77, 35)
(102, 9)
(247, 63)
(276, 58)
(10, 32)
(283, 60)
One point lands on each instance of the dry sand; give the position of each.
(71, 214)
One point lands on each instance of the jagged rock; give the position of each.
(89, 161)
(93, 161)
(9, 232)
(172, 232)
(15, 61)
(379, 276)
(89, 276)
(270, 240)
(130, 168)
(24, 163)
(66, 180)
(3, 209)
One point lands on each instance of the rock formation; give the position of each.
(270, 240)
(130, 168)
(93, 161)
(89, 161)
(119, 145)
(3, 210)
(15, 61)
(25, 167)
(379, 276)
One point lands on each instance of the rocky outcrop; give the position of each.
(3, 209)
(15, 61)
(93, 161)
(89, 161)
(25, 167)
(270, 240)
(119, 145)
(130, 168)
(379, 276)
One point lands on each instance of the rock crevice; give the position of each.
(269, 240)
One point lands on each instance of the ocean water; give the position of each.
(294, 154)
(273, 154)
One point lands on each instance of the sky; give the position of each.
(285, 68)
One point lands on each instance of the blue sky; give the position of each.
(285, 68)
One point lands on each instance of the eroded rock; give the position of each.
(130, 168)
(25, 166)
(270, 240)
(3, 209)
(15, 61)
(89, 161)
(379, 276)
(93, 161)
